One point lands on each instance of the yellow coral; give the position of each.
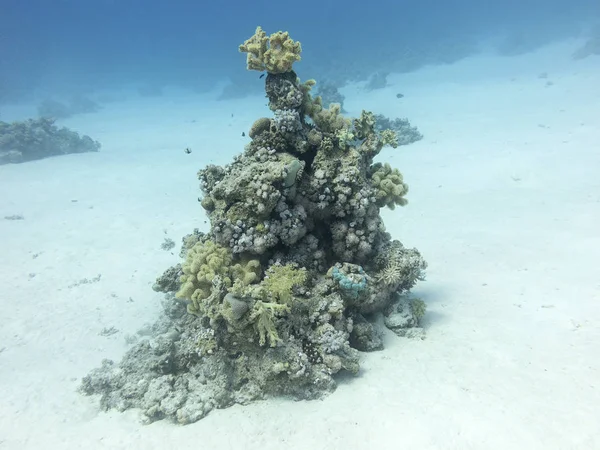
(326, 145)
(283, 52)
(364, 126)
(280, 280)
(389, 185)
(275, 54)
(256, 47)
(204, 261)
(329, 120)
(345, 136)
(207, 261)
(389, 137)
(264, 316)
(247, 271)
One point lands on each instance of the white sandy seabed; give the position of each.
(504, 205)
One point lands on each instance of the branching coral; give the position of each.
(280, 280)
(264, 315)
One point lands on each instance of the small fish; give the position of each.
(261, 75)
(243, 134)
(188, 150)
(399, 95)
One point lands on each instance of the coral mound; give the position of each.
(276, 298)
(36, 139)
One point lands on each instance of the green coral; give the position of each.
(346, 132)
(275, 54)
(247, 271)
(206, 262)
(329, 120)
(364, 126)
(389, 185)
(264, 314)
(310, 104)
(327, 145)
(345, 137)
(280, 280)
(389, 137)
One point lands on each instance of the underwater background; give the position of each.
(108, 111)
(57, 46)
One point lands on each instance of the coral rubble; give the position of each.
(40, 138)
(276, 298)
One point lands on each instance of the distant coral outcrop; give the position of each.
(40, 138)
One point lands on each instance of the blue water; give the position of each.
(66, 45)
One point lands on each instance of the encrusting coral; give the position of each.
(276, 298)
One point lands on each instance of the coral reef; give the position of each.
(329, 94)
(405, 132)
(36, 139)
(376, 81)
(78, 104)
(276, 299)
